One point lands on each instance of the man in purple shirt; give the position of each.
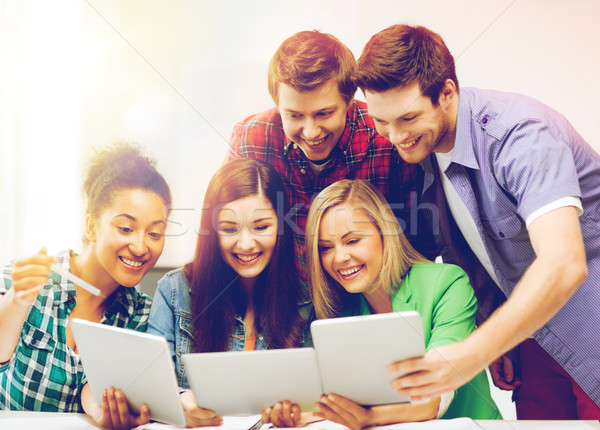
(518, 193)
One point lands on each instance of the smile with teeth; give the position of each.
(409, 144)
(247, 258)
(350, 271)
(314, 142)
(131, 262)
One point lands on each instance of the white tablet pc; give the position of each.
(353, 353)
(138, 363)
(246, 382)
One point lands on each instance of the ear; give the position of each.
(90, 228)
(448, 93)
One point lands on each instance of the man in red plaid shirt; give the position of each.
(318, 134)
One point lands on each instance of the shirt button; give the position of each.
(484, 120)
(295, 146)
(303, 171)
(345, 152)
(500, 234)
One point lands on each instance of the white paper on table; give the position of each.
(60, 422)
(229, 423)
(453, 424)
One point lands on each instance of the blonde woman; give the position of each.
(360, 263)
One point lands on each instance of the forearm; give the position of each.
(12, 318)
(389, 414)
(543, 290)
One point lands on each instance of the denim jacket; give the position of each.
(171, 318)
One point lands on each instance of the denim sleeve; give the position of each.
(162, 317)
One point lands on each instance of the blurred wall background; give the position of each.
(175, 76)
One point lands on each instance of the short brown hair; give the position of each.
(401, 55)
(309, 59)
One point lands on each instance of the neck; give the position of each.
(379, 301)
(447, 142)
(87, 267)
(248, 286)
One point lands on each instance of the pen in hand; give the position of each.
(77, 280)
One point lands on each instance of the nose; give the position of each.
(397, 134)
(245, 240)
(341, 255)
(311, 129)
(138, 246)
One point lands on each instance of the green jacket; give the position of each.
(443, 296)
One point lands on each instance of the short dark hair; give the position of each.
(402, 55)
(121, 166)
(309, 59)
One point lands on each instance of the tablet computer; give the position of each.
(138, 363)
(246, 382)
(353, 353)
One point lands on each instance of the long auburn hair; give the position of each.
(398, 256)
(216, 294)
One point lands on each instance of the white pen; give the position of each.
(77, 280)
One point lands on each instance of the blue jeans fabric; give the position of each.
(171, 318)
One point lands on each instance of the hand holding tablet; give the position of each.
(349, 359)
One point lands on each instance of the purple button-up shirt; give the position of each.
(512, 156)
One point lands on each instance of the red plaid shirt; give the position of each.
(361, 153)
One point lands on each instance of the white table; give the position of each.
(12, 420)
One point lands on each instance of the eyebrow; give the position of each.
(405, 114)
(226, 221)
(319, 110)
(134, 219)
(349, 233)
(344, 236)
(267, 218)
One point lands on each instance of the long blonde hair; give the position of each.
(398, 254)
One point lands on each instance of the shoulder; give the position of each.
(174, 288)
(444, 277)
(359, 120)
(267, 121)
(499, 113)
(430, 269)
(360, 141)
(174, 279)
(258, 136)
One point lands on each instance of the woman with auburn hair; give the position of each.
(241, 291)
(360, 263)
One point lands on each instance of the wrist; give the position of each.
(373, 416)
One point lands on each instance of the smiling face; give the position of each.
(314, 120)
(128, 237)
(412, 123)
(350, 248)
(247, 231)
